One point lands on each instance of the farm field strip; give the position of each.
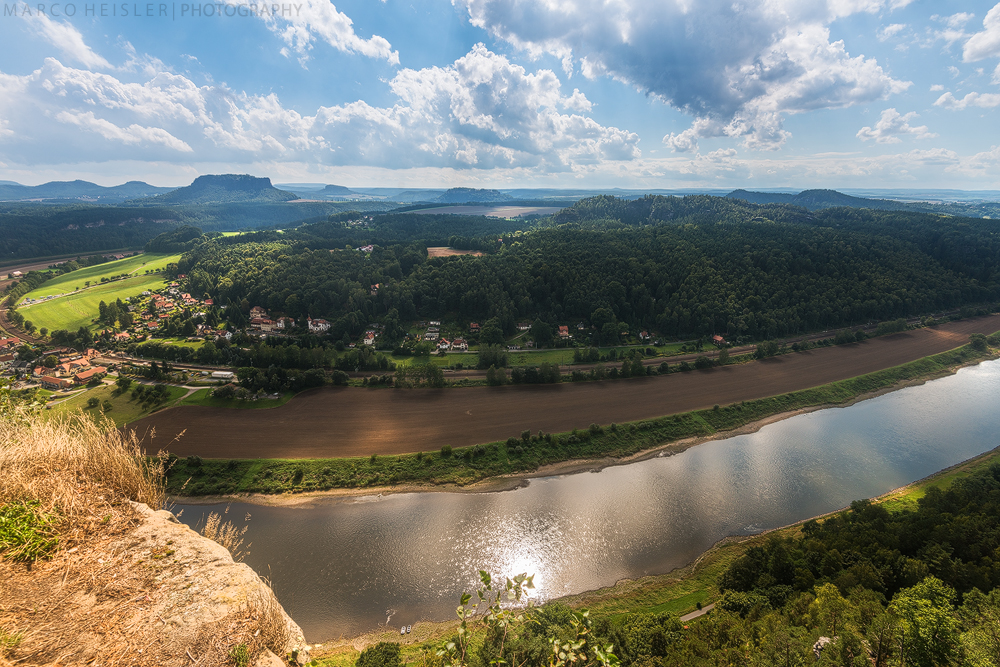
(68, 283)
(78, 309)
(342, 422)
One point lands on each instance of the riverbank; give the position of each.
(504, 465)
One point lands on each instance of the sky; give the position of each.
(505, 93)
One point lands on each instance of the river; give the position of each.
(342, 566)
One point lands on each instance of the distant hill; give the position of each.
(78, 190)
(818, 199)
(222, 189)
(472, 195)
(309, 191)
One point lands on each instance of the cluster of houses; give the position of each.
(71, 369)
(261, 323)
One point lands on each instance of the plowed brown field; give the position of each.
(342, 421)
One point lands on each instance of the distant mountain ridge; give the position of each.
(222, 189)
(80, 190)
(472, 195)
(818, 199)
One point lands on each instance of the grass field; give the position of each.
(204, 398)
(124, 409)
(78, 309)
(69, 282)
(563, 357)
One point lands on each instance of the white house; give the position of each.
(318, 326)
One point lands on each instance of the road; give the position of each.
(351, 421)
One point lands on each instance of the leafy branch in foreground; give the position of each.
(502, 625)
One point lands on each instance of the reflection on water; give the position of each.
(341, 566)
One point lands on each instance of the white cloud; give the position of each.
(311, 19)
(983, 101)
(985, 44)
(937, 87)
(481, 111)
(133, 134)
(66, 38)
(739, 69)
(891, 125)
(890, 31)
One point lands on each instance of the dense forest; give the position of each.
(690, 266)
(46, 230)
(864, 588)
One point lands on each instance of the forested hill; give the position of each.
(819, 199)
(223, 189)
(680, 267)
(78, 190)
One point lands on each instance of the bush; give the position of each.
(446, 451)
(978, 342)
(383, 654)
(702, 362)
(93, 402)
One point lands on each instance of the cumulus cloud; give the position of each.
(320, 19)
(739, 69)
(481, 111)
(986, 43)
(891, 125)
(66, 38)
(983, 101)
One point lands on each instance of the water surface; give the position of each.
(342, 566)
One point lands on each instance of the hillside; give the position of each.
(472, 195)
(78, 190)
(815, 200)
(223, 189)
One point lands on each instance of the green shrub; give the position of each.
(383, 654)
(446, 451)
(27, 532)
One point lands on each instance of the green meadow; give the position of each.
(80, 308)
(70, 282)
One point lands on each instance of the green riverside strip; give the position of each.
(525, 452)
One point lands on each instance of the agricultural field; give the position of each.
(79, 309)
(70, 282)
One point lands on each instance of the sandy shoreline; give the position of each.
(570, 467)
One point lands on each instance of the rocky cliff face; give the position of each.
(151, 592)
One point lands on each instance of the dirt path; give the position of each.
(350, 421)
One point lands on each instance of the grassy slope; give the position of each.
(467, 465)
(124, 409)
(78, 309)
(68, 282)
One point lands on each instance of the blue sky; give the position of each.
(506, 93)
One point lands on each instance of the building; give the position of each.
(564, 331)
(474, 327)
(83, 377)
(9, 342)
(6, 360)
(370, 338)
(523, 326)
(53, 383)
(718, 340)
(222, 375)
(444, 344)
(318, 326)
(460, 344)
(257, 311)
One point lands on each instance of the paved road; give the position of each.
(695, 614)
(352, 421)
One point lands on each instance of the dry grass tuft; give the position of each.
(226, 534)
(66, 463)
